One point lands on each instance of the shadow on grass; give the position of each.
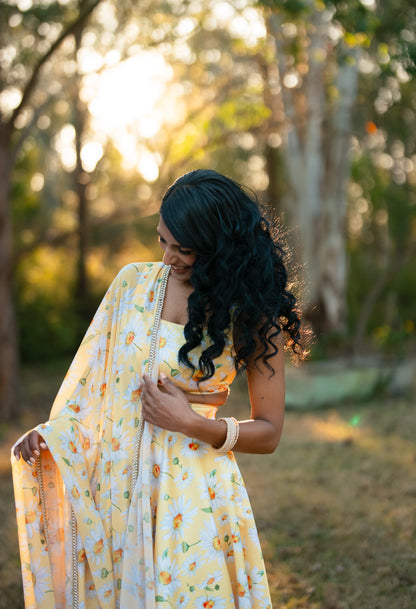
(336, 507)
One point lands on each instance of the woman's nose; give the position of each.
(169, 257)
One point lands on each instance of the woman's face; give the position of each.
(181, 259)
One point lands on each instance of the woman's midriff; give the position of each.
(212, 398)
(215, 398)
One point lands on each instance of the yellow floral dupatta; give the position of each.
(75, 508)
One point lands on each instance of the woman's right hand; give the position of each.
(30, 447)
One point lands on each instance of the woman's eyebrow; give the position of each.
(174, 244)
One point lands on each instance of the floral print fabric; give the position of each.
(183, 535)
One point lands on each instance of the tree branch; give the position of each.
(85, 12)
(55, 240)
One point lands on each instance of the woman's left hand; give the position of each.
(166, 407)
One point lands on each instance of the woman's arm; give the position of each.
(260, 434)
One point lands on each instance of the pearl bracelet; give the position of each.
(231, 438)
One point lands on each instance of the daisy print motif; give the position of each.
(178, 518)
(184, 477)
(255, 581)
(211, 542)
(128, 300)
(78, 407)
(159, 466)
(95, 544)
(131, 395)
(207, 601)
(167, 576)
(192, 448)
(40, 579)
(129, 342)
(243, 590)
(192, 565)
(71, 446)
(119, 444)
(98, 351)
(212, 491)
(32, 517)
(211, 582)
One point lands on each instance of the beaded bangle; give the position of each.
(231, 438)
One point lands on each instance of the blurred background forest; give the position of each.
(312, 103)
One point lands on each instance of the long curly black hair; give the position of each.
(239, 277)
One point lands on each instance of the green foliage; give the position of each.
(47, 320)
(224, 91)
(47, 329)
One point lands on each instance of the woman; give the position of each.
(136, 500)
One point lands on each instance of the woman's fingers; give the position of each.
(30, 447)
(168, 386)
(34, 441)
(26, 450)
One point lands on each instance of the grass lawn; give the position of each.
(335, 504)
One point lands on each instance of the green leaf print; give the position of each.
(67, 461)
(124, 284)
(160, 599)
(165, 553)
(139, 308)
(126, 494)
(207, 510)
(88, 339)
(212, 474)
(186, 546)
(173, 371)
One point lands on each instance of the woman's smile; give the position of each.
(180, 258)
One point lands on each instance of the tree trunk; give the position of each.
(80, 180)
(8, 334)
(317, 159)
(333, 280)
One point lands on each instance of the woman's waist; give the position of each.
(209, 398)
(205, 410)
(205, 403)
